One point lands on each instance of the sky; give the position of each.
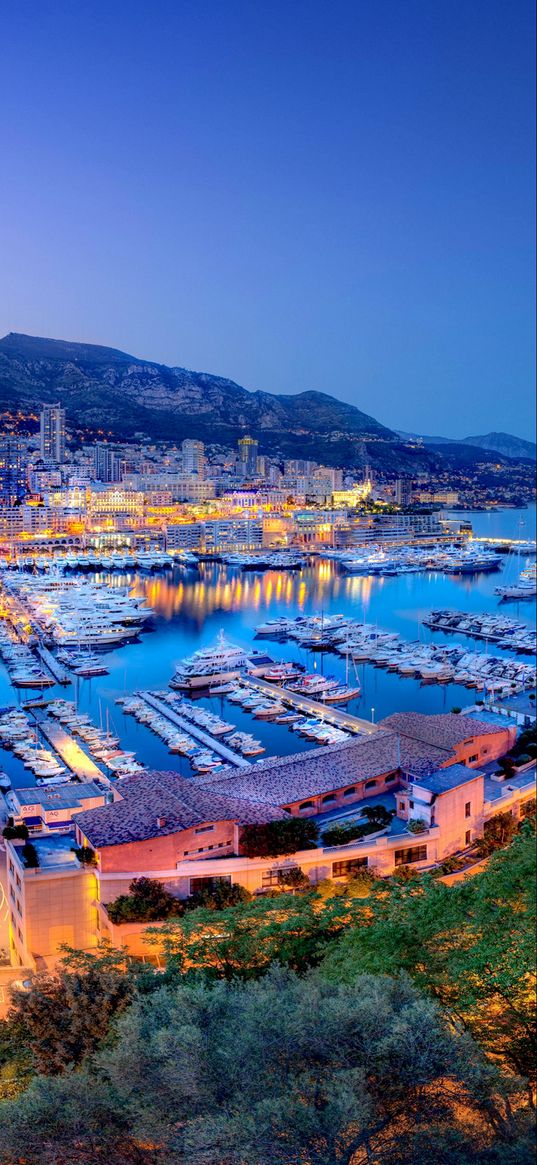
(295, 194)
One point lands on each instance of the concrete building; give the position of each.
(108, 464)
(193, 458)
(248, 449)
(52, 434)
(13, 470)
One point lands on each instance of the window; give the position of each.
(410, 804)
(19, 907)
(329, 797)
(472, 758)
(468, 837)
(19, 883)
(11, 867)
(272, 877)
(350, 792)
(12, 893)
(305, 805)
(370, 785)
(468, 809)
(415, 853)
(197, 884)
(341, 869)
(204, 829)
(391, 777)
(402, 806)
(484, 751)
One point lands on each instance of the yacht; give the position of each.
(213, 665)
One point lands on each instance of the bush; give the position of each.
(294, 879)
(275, 838)
(30, 856)
(524, 759)
(498, 833)
(218, 896)
(456, 709)
(85, 855)
(343, 834)
(10, 832)
(417, 825)
(148, 901)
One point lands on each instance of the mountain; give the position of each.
(506, 444)
(515, 448)
(103, 388)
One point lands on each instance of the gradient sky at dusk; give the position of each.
(296, 194)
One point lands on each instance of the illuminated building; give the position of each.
(12, 470)
(193, 457)
(108, 465)
(52, 434)
(248, 448)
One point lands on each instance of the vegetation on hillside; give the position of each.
(361, 1023)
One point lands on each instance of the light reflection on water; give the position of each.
(192, 605)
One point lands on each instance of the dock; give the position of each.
(61, 675)
(211, 742)
(70, 752)
(317, 707)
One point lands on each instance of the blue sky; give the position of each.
(296, 195)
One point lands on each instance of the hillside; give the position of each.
(108, 389)
(507, 445)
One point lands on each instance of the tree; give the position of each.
(283, 1071)
(65, 1015)
(147, 901)
(498, 833)
(471, 945)
(276, 838)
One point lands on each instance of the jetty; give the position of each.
(211, 742)
(72, 755)
(60, 673)
(305, 704)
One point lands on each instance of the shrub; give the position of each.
(218, 896)
(275, 838)
(13, 831)
(148, 901)
(30, 856)
(523, 759)
(85, 855)
(343, 834)
(456, 709)
(498, 832)
(294, 879)
(417, 825)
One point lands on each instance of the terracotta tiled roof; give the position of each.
(283, 780)
(179, 802)
(445, 730)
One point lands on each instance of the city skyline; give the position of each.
(291, 200)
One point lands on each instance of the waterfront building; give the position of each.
(248, 448)
(13, 470)
(446, 497)
(403, 491)
(52, 434)
(424, 770)
(52, 807)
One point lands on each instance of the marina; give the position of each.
(361, 639)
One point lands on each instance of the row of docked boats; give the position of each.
(525, 588)
(364, 642)
(21, 664)
(102, 744)
(18, 735)
(378, 560)
(241, 742)
(507, 633)
(139, 560)
(264, 706)
(278, 560)
(202, 759)
(80, 616)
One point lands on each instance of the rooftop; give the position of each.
(443, 731)
(443, 780)
(68, 796)
(178, 802)
(496, 789)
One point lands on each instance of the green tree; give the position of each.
(275, 838)
(288, 1070)
(147, 901)
(471, 945)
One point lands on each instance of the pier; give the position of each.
(210, 742)
(61, 675)
(317, 707)
(70, 752)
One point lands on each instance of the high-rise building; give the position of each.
(52, 433)
(108, 465)
(248, 457)
(13, 470)
(193, 454)
(403, 491)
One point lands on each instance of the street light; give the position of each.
(372, 715)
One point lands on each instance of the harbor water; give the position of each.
(192, 605)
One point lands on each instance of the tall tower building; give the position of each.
(13, 467)
(193, 453)
(248, 457)
(108, 465)
(52, 433)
